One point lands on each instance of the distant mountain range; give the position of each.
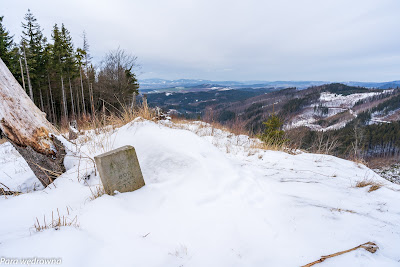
(162, 85)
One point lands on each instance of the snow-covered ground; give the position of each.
(15, 172)
(344, 101)
(336, 103)
(211, 199)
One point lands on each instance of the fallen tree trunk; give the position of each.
(27, 128)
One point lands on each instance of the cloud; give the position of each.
(265, 40)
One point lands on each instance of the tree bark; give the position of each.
(27, 128)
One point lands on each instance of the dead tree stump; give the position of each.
(27, 128)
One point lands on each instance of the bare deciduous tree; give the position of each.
(116, 78)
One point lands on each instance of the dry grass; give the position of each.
(273, 144)
(368, 182)
(56, 222)
(342, 210)
(6, 193)
(98, 191)
(360, 161)
(112, 117)
(109, 116)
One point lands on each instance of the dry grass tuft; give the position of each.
(359, 162)
(374, 187)
(5, 191)
(342, 210)
(56, 222)
(367, 182)
(112, 117)
(98, 191)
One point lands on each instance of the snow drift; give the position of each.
(211, 199)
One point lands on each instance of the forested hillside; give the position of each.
(59, 75)
(354, 122)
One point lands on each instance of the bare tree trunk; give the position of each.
(91, 100)
(145, 100)
(133, 101)
(27, 75)
(41, 100)
(27, 128)
(64, 98)
(52, 101)
(22, 74)
(77, 104)
(48, 109)
(72, 98)
(83, 95)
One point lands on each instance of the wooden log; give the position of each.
(27, 128)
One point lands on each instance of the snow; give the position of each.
(347, 101)
(336, 103)
(15, 172)
(211, 199)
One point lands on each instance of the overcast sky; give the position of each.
(330, 40)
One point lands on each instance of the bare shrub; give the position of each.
(325, 143)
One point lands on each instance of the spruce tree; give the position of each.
(273, 133)
(9, 53)
(6, 44)
(70, 65)
(67, 52)
(33, 42)
(58, 59)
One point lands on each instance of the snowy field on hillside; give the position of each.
(336, 103)
(344, 101)
(211, 199)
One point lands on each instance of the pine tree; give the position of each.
(86, 54)
(67, 52)
(80, 53)
(89, 71)
(70, 65)
(9, 52)
(33, 43)
(58, 60)
(6, 44)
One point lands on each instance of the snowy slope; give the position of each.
(211, 199)
(335, 104)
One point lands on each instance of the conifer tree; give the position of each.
(273, 133)
(58, 60)
(70, 66)
(6, 44)
(33, 42)
(9, 52)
